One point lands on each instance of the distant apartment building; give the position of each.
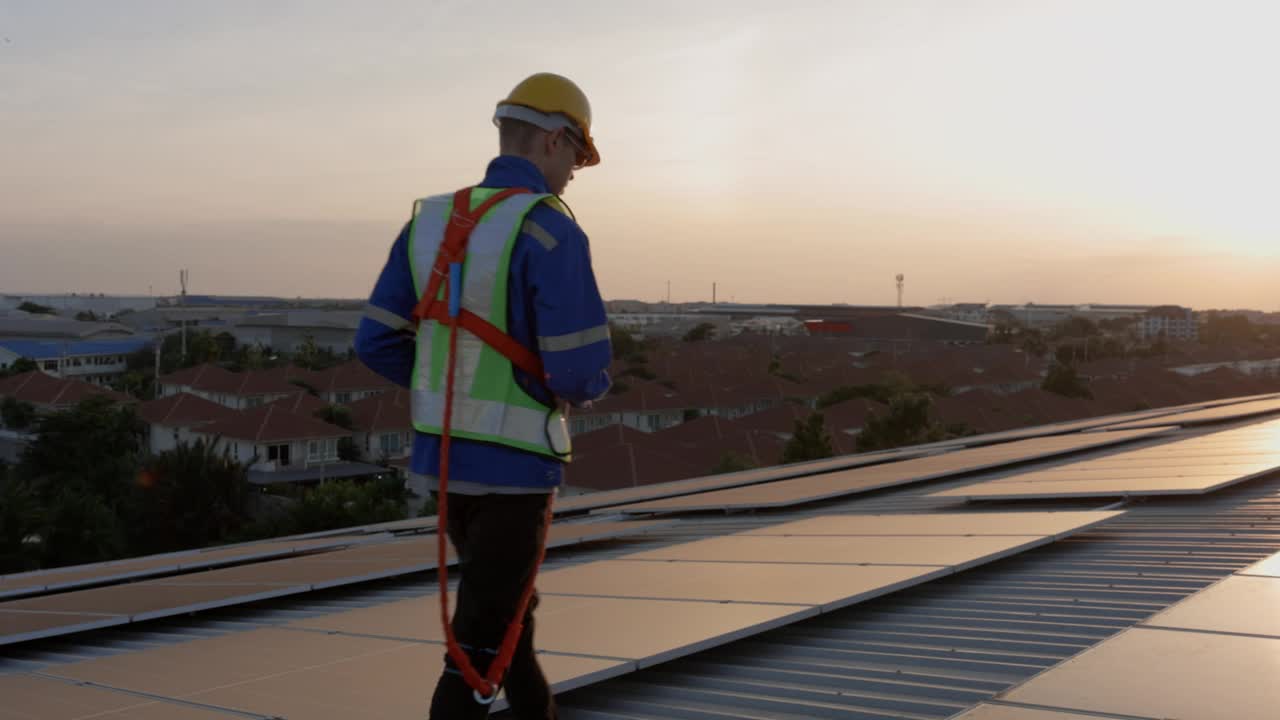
(1045, 316)
(668, 324)
(1169, 322)
(95, 361)
(768, 325)
(967, 312)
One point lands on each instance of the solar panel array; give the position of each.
(1214, 655)
(1191, 466)
(58, 579)
(80, 610)
(1216, 414)
(596, 621)
(814, 488)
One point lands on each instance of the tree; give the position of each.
(1063, 380)
(37, 309)
(1074, 327)
(343, 503)
(700, 332)
(1228, 330)
(17, 415)
(79, 528)
(19, 366)
(623, 341)
(907, 423)
(336, 415)
(809, 440)
(732, 462)
(192, 496)
(92, 449)
(21, 519)
(1032, 342)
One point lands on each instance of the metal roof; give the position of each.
(52, 349)
(924, 653)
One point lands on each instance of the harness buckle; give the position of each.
(483, 700)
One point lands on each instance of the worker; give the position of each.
(528, 275)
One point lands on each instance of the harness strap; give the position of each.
(447, 271)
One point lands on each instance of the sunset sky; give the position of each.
(1074, 151)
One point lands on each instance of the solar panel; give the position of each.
(38, 617)
(146, 600)
(648, 631)
(59, 579)
(1208, 463)
(341, 665)
(1239, 604)
(1222, 413)
(31, 697)
(1148, 672)
(295, 674)
(396, 683)
(987, 711)
(824, 586)
(23, 625)
(990, 524)
(955, 551)
(1268, 568)
(813, 488)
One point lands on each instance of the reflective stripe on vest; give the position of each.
(488, 404)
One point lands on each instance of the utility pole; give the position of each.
(901, 279)
(182, 318)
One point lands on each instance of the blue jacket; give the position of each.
(553, 297)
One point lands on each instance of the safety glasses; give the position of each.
(580, 154)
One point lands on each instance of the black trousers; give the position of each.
(497, 539)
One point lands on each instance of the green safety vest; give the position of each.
(488, 404)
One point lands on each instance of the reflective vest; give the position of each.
(488, 404)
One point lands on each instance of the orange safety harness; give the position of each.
(447, 272)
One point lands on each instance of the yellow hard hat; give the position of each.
(540, 98)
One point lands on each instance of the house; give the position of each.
(644, 405)
(383, 425)
(269, 439)
(52, 394)
(349, 382)
(172, 419)
(95, 361)
(237, 391)
(302, 403)
(1170, 322)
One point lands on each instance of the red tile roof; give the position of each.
(213, 379)
(183, 410)
(47, 391)
(382, 412)
(272, 423)
(640, 396)
(350, 377)
(301, 402)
